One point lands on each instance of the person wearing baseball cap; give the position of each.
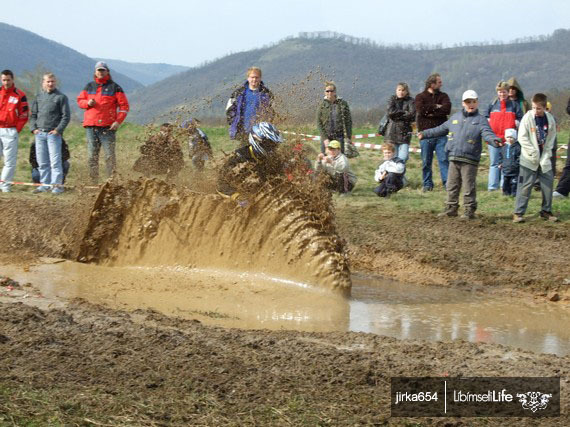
(465, 130)
(335, 165)
(106, 107)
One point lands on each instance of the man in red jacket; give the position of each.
(106, 107)
(13, 117)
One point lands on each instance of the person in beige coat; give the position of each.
(537, 132)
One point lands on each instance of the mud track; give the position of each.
(83, 364)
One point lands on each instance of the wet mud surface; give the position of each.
(79, 363)
(144, 368)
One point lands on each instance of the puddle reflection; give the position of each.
(256, 301)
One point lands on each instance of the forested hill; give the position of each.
(365, 73)
(27, 55)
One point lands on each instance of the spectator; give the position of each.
(390, 173)
(537, 132)
(13, 117)
(401, 111)
(433, 106)
(248, 105)
(503, 114)
(466, 129)
(337, 168)
(199, 147)
(160, 154)
(106, 107)
(555, 147)
(516, 94)
(563, 188)
(49, 117)
(65, 156)
(333, 119)
(510, 162)
(259, 154)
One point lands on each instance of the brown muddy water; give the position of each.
(255, 301)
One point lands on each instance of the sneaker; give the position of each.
(41, 189)
(558, 195)
(57, 191)
(426, 189)
(547, 216)
(449, 213)
(518, 218)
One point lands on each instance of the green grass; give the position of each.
(410, 199)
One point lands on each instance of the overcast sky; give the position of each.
(191, 32)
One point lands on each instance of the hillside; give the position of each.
(366, 74)
(25, 52)
(146, 74)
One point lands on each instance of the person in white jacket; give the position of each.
(537, 133)
(390, 173)
(335, 165)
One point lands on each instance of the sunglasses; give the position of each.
(101, 69)
(329, 91)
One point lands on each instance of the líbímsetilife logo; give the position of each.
(534, 400)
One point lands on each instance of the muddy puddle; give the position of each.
(255, 301)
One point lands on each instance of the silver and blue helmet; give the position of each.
(261, 134)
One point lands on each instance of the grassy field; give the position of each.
(411, 198)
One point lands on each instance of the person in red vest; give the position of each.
(106, 107)
(13, 117)
(503, 113)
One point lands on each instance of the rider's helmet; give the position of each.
(264, 137)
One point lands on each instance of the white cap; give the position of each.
(511, 132)
(469, 94)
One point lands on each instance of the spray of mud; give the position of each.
(282, 232)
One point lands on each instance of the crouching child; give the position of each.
(465, 130)
(336, 166)
(390, 173)
(510, 163)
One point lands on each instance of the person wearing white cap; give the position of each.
(106, 107)
(510, 162)
(465, 130)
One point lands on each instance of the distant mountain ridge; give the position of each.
(366, 74)
(23, 51)
(142, 72)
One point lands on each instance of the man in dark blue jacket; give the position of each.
(465, 130)
(249, 104)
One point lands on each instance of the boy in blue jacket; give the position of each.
(465, 130)
(510, 162)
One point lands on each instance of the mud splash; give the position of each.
(151, 223)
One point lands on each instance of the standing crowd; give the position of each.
(521, 138)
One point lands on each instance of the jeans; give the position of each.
(527, 178)
(9, 149)
(36, 173)
(428, 145)
(495, 158)
(98, 137)
(403, 151)
(49, 156)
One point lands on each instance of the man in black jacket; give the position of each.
(432, 107)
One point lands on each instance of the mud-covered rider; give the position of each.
(262, 143)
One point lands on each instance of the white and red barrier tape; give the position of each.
(33, 184)
(379, 146)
